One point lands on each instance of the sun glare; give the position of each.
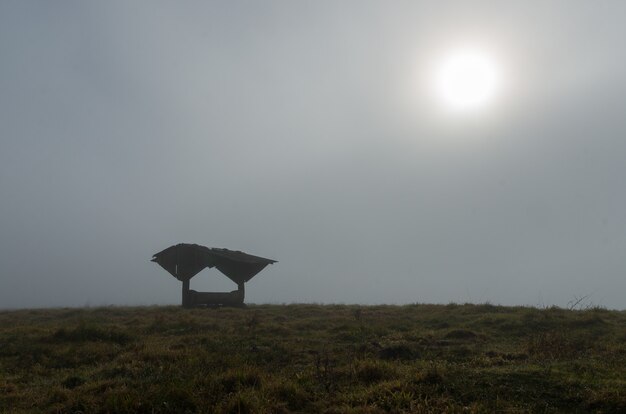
(466, 80)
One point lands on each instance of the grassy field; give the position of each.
(313, 358)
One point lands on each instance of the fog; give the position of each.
(301, 132)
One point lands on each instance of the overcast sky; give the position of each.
(304, 132)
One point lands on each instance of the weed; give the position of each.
(461, 334)
(72, 382)
(85, 333)
(432, 375)
(295, 398)
(369, 372)
(324, 370)
(398, 352)
(555, 345)
(358, 314)
(240, 403)
(240, 378)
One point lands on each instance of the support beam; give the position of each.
(186, 301)
(242, 291)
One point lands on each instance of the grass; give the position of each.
(313, 358)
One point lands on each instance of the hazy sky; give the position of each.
(306, 132)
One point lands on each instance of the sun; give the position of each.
(466, 80)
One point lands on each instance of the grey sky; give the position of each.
(294, 131)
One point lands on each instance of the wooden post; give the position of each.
(240, 288)
(186, 293)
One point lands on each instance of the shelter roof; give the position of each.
(184, 261)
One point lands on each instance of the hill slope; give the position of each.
(313, 358)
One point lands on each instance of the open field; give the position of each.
(313, 358)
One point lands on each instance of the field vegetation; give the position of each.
(313, 358)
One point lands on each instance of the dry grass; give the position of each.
(313, 358)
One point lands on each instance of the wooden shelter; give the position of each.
(184, 261)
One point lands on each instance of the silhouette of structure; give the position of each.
(184, 261)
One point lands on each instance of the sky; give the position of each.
(307, 132)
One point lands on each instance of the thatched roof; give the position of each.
(184, 261)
